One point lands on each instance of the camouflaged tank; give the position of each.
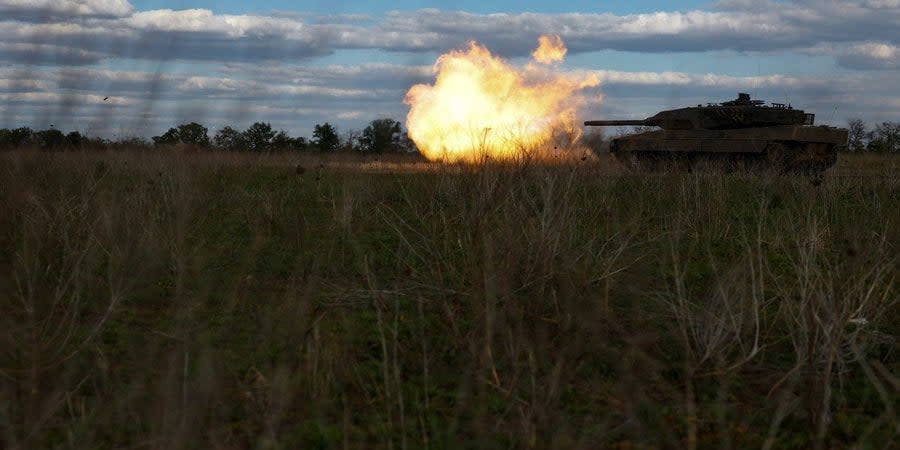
(738, 133)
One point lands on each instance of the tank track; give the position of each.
(790, 158)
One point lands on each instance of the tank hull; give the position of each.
(788, 148)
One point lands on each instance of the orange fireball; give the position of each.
(482, 106)
(550, 50)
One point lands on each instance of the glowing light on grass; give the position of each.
(482, 106)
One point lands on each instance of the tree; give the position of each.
(95, 143)
(228, 139)
(258, 137)
(51, 139)
(129, 143)
(193, 134)
(407, 145)
(5, 138)
(381, 135)
(284, 142)
(857, 131)
(325, 137)
(15, 138)
(168, 138)
(885, 137)
(350, 140)
(74, 140)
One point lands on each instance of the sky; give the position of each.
(117, 68)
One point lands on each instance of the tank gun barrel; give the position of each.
(619, 123)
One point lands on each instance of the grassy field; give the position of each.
(173, 300)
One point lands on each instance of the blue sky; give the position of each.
(347, 62)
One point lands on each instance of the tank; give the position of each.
(737, 133)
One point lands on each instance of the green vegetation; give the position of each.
(192, 134)
(325, 137)
(380, 136)
(884, 137)
(173, 299)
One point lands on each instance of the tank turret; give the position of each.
(739, 113)
(742, 130)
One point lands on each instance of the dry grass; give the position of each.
(184, 300)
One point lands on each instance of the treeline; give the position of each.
(380, 136)
(51, 139)
(884, 137)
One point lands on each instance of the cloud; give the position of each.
(740, 27)
(56, 43)
(264, 66)
(371, 75)
(882, 4)
(871, 55)
(65, 8)
(55, 98)
(203, 35)
(707, 79)
(743, 5)
(165, 35)
(348, 115)
(7, 85)
(245, 89)
(205, 21)
(47, 54)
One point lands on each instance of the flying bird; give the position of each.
(105, 98)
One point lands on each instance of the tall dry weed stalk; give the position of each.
(181, 300)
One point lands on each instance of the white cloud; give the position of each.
(707, 79)
(205, 21)
(58, 98)
(251, 88)
(321, 91)
(22, 85)
(212, 84)
(101, 8)
(878, 51)
(40, 53)
(348, 115)
(109, 76)
(861, 55)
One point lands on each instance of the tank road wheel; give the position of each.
(721, 162)
(702, 162)
(796, 158)
(680, 161)
(638, 162)
(745, 162)
(658, 161)
(663, 162)
(815, 158)
(778, 154)
(626, 159)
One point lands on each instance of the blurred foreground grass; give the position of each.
(227, 301)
